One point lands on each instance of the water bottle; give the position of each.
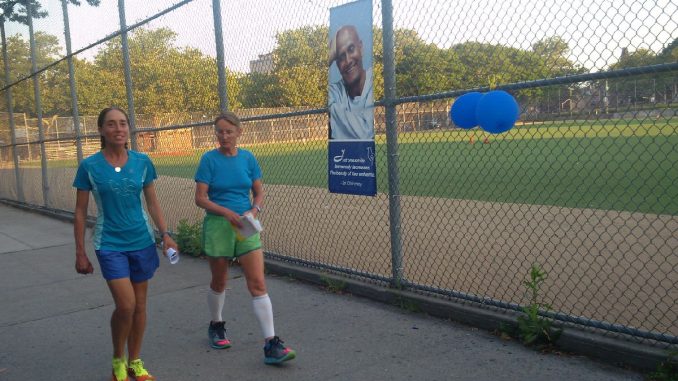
(172, 256)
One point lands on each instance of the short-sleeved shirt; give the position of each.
(122, 224)
(229, 178)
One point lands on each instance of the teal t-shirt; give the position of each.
(122, 224)
(229, 178)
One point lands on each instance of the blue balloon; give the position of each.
(497, 111)
(463, 110)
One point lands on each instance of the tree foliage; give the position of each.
(165, 78)
(17, 10)
(663, 82)
(300, 66)
(261, 90)
(171, 79)
(54, 82)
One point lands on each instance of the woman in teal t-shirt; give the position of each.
(123, 238)
(224, 180)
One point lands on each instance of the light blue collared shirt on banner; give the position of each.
(352, 118)
(122, 224)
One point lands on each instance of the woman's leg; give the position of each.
(216, 293)
(122, 318)
(252, 265)
(219, 269)
(136, 334)
(216, 332)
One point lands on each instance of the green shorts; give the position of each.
(219, 239)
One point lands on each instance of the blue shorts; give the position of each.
(138, 265)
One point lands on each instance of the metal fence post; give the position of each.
(38, 107)
(221, 65)
(392, 143)
(128, 75)
(71, 80)
(10, 110)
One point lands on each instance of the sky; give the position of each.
(596, 30)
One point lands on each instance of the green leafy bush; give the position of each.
(189, 238)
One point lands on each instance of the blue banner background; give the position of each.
(352, 167)
(352, 163)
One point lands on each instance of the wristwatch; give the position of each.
(257, 207)
(164, 234)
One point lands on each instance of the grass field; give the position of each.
(616, 165)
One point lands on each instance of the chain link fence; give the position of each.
(585, 185)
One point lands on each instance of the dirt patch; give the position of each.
(617, 267)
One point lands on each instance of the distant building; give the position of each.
(264, 64)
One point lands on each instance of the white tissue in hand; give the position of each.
(249, 226)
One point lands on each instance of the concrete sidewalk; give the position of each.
(54, 325)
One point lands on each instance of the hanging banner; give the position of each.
(351, 149)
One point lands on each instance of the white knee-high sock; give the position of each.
(215, 301)
(264, 313)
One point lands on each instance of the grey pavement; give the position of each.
(54, 325)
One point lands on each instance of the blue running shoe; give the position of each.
(217, 335)
(275, 352)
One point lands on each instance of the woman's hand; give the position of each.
(168, 242)
(254, 212)
(233, 218)
(83, 265)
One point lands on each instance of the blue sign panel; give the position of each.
(352, 167)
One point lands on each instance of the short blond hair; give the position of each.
(229, 117)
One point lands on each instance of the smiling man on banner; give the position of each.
(351, 99)
(351, 159)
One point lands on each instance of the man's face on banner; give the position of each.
(349, 55)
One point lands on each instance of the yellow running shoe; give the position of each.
(119, 369)
(138, 372)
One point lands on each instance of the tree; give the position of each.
(553, 52)
(197, 78)
(54, 88)
(300, 65)
(647, 87)
(90, 2)
(16, 10)
(423, 68)
(53, 82)
(639, 58)
(98, 88)
(548, 60)
(667, 83)
(166, 79)
(490, 65)
(261, 90)
(669, 53)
